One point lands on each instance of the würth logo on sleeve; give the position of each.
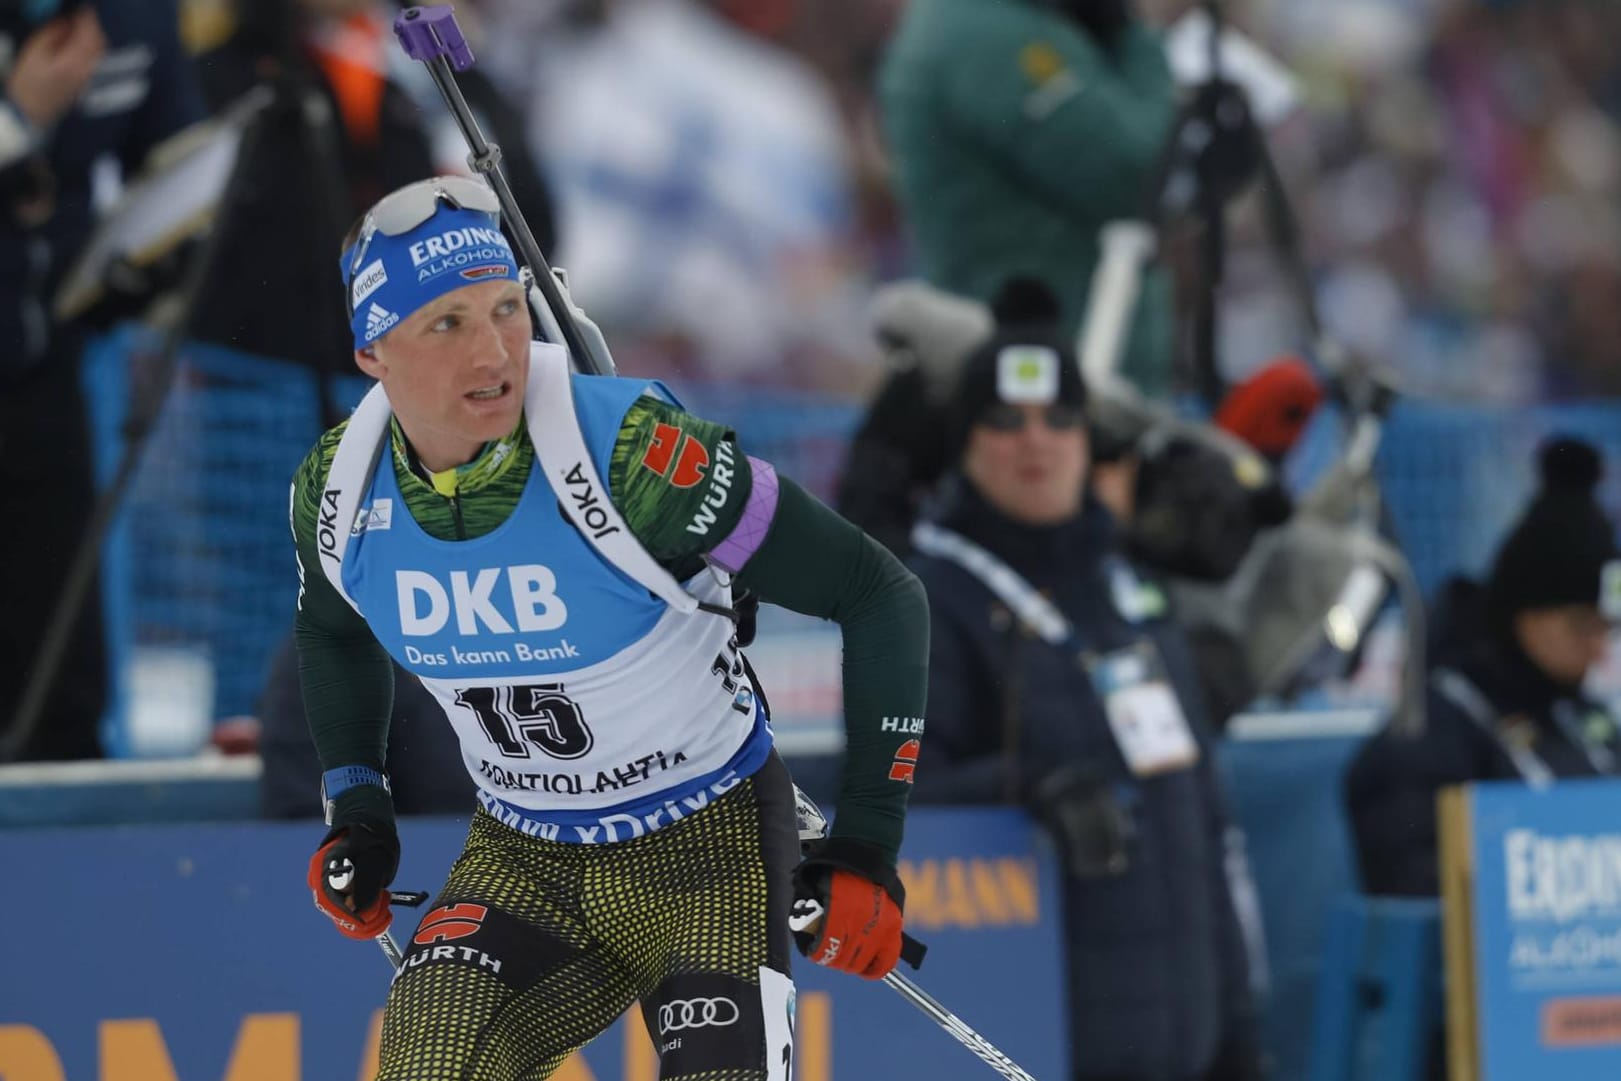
(674, 448)
(905, 764)
(450, 922)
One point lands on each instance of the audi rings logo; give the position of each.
(685, 1013)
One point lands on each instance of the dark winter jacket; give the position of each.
(1158, 978)
(143, 91)
(1490, 715)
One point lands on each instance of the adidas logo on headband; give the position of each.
(378, 321)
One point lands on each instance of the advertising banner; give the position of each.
(194, 953)
(1533, 908)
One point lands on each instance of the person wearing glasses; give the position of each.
(1058, 682)
(556, 558)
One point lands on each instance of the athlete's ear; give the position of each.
(366, 360)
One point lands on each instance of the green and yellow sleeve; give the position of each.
(346, 675)
(683, 485)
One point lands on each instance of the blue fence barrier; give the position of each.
(194, 953)
(1285, 794)
(1378, 1010)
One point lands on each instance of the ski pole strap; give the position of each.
(912, 950)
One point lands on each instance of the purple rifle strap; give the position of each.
(733, 553)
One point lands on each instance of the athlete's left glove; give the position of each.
(349, 874)
(847, 908)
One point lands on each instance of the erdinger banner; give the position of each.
(1532, 890)
(193, 953)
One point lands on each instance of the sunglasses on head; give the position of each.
(408, 208)
(1060, 417)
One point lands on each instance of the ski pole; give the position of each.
(391, 949)
(386, 941)
(807, 915)
(430, 35)
(957, 1028)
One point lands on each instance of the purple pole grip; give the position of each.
(427, 33)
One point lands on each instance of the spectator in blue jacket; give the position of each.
(82, 81)
(1057, 682)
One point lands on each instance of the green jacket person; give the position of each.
(1017, 129)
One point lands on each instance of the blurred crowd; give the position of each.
(1460, 183)
(1456, 165)
(734, 187)
(725, 201)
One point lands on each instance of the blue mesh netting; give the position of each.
(1455, 478)
(202, 553)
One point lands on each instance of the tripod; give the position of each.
(1332, 554)
(1214, 150)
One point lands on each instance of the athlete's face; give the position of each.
(455, 370)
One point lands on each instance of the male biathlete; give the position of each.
(556, 557)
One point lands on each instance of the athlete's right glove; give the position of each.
(847, 908)
(350, 872)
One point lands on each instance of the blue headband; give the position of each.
(399, 274)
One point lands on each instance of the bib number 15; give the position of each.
(531, 715)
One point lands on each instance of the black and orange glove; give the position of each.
(847, 908)
(349, 874)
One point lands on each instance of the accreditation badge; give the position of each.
(1144, 714)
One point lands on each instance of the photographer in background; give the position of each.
(1017, 130)
(82, 82)
(1188, 500)
(1057, 683)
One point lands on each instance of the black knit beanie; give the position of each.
(1558, 552)
(1026, 333)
